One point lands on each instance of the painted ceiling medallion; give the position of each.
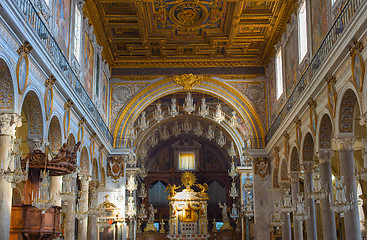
(188, 15)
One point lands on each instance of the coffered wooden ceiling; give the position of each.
(195, 33)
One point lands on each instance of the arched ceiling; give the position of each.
(200, 33)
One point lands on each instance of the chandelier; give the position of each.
(221, 140)
(299, 210)
(234, 120)
(233, 171)
(210, 134)
(232, 151)
(131, 184)
(142, 214)
(131, 209)
(132, 133)
(186, 126)
(219, 114)
(277, 219)
(233, 192)
(176, 130)
(143, 152)
(198, 130)
(234, 213)
(317, 191)
(67, 192)
(287, 206)
(341, 204)
(158, 114)
(16, 175)
(131, 160)
(173, 111)
(43, 199)
(203, 108)
(153, 140)
(143, 124)
(248, 183)
(164, 133)
(189, 106)
(142, 191)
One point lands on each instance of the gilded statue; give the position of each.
(203, 188)
(171, 190)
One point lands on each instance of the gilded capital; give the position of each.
(8, 123)
(325, 155)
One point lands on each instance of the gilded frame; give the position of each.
(49, 96)
(357, 82)
(67, 123)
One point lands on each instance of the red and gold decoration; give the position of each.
(115, 168)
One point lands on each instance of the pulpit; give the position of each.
(188, 210)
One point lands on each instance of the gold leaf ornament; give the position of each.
(188, 80)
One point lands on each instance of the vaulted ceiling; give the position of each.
(196, 33)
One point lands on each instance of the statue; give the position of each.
(171, 190)
(224, 211)
(152, 212)
(143, 191)
(203, 188)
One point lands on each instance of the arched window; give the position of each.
(302, 31)
(279, 73)
(77, 33)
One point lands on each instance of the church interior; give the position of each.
(183, 119)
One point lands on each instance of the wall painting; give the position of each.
(88, 65)
(62, 24)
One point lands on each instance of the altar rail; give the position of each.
(62, 62)
(343, 19)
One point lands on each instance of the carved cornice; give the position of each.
(188, 80)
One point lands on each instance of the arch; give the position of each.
(308, 148)
(70, 142)
(32, 109)
(325, 132)
(284, 170)
(7, 100)
(163, 87)
(295, 165)
(346, 112)
(84, 160)
(55, 135)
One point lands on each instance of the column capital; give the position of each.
(325, 155)
(294, 176)
(307, 166)
(37, 144)
(344, 143)
(8, 123)
(84, 177)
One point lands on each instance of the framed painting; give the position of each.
(358, 69)
(22, 72)
(49, 96)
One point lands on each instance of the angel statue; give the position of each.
(224, 211)
(171, 190)
(203, 188)
(152, 212)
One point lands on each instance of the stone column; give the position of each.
(262, 197)
(70, 212)
(328, 217)
(83, 206)
(346, 158)
(92, 220)
(55, 189)
(309, 202)
(8, 123)
(297, 225)
(286, 228)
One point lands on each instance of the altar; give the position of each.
(188, 210)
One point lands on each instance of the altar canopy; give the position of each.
(188, 210)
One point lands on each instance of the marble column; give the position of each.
(346, 157)
(309, 202)
(297, 225)
(70, 212)
(262, 197)
(328, 216)
(286, 228)
(55, 189)
(92, 219)
(8, 123)
(83, 206)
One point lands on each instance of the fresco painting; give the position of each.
(319, 22)
(105, 96)
(291, 62)
(62, 24)
(273, 103)
(88, 66)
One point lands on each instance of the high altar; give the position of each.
(188, 210)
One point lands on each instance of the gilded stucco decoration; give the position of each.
(313, 115)
(6, 87)
(346, 112)
(255, 91)
(298, 123)
(22, 68)
(188, 80)
(120, 95)
(262, 166)
(115, 168)
(358, 66)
